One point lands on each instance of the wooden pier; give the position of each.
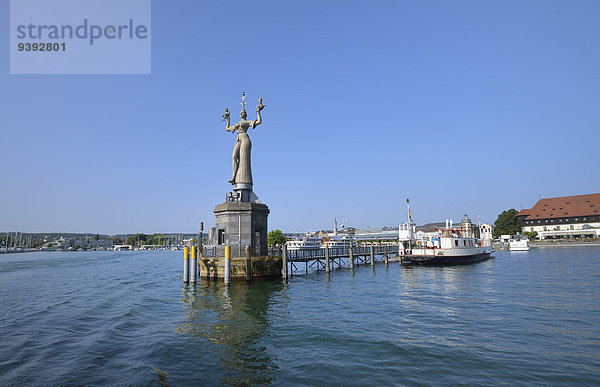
(327, 258)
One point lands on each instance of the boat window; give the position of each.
(455, 242)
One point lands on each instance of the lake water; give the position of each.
(114, 318)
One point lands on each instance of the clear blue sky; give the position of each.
(480, 105)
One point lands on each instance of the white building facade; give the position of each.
(563, 217)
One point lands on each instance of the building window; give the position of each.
(545, 228)
(221, 237)
(531, 229)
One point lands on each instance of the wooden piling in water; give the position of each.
(351, 258)
(248, 265)
(327, 268)
(285, 265)
(372, 255)
(387, 255)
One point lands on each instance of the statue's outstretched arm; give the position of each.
(225, 117)
(259, 107)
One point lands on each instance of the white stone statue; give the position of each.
(242, 171)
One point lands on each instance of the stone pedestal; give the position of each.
(262, 268)
(241, 224)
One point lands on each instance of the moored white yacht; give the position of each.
(338, 241)
(518, 243)
(306, 242)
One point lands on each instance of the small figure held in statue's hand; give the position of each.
(260, 106)
(225, 116)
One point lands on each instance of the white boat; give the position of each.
(449, 246)
(307, 242)
(338, 241)
(519, 243)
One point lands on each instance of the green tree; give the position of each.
(275, 237)
(136, 239)
(97, 237)
(506, 223)
(531, 234)
(116, 240)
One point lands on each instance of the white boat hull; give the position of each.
(518, 245)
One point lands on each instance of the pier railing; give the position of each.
(341, 252)
(317, 253)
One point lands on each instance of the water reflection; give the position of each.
(233, 318)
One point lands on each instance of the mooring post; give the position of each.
(351, 258)
(386, 254)
(372, 256)
(285, 265)
(248, 264)
(199, 263)
(194, 265)
(227, 269)
(186, 264)
(327, 268)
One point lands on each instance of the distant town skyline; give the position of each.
(466, 106)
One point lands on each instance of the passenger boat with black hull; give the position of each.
(450, 246)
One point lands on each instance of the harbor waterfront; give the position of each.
(124, 317)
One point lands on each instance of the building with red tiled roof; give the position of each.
(563, 217)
